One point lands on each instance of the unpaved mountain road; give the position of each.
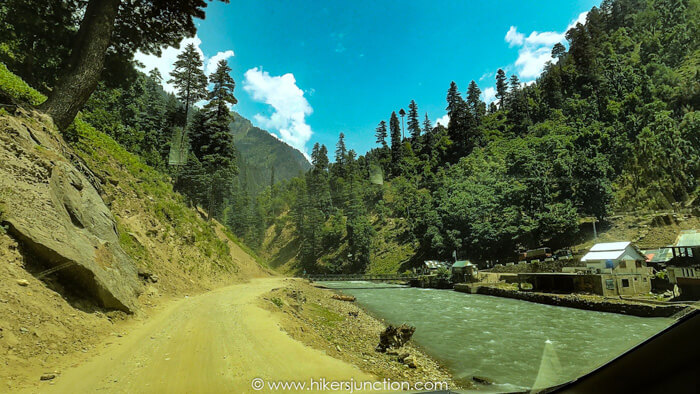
(217, 342)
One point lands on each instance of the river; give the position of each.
(504, 339)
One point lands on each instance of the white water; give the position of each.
(504, 339)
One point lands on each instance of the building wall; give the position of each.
(682, 272)
(624, 284)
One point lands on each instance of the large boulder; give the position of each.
(394, 337)
(54, 210)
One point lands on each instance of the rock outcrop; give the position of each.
(394, 337)
(51, 207)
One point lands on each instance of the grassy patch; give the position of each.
(17, 88)
(323, 315)
(132, 246)
(277, 301)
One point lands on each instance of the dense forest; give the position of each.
(610, 125)
(195, 144)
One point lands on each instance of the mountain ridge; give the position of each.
(261, 152)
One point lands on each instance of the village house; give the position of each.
(622, 267)
(608, 269)
(463, 271)
(431, 266)
(684, 267)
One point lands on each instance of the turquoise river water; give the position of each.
(517, 344)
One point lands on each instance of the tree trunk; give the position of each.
(82, 72)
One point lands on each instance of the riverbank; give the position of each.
(347, 332)
(577, 301)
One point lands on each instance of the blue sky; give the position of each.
(308, 70)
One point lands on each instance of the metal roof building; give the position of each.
(688, 238)
(461, 264)
(613, 251)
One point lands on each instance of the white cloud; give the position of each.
(288, 102)
(489, 95)
(536, 48)
(545, 38)
(445, 120)
(214, 60)
(164, 62)
(513, 37)
(531, 61)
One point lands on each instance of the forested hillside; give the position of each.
(264, 159)
(213, 156)
(611, 124)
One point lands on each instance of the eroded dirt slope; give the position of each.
(46, 319)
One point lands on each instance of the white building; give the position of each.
(614, 255)
(623, 267)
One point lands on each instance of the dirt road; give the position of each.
(216, 342)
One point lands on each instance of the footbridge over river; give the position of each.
(359, 277)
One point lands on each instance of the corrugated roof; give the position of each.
(461, 263)
(605, 255)
(688, 238)
(434, 264)
(661, 255)
(609, 246)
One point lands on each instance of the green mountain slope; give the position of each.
(260, 153)
(610, 126)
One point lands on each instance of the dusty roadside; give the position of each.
(45, 330)
(216, 342)
(345, 331)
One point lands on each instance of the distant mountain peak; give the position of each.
(260, 151)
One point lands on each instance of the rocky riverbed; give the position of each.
(345, 331)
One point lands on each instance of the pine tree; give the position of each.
(558, 51)
(453, 99)
(514, 92)
(221, 95)
(216, 147)
(474, 103)
(514, 83)
(501, 87)
(381, 134)
(324, 156)
(427, 125)
(317, 180)
(198, 133)
(188, 77)
(155, 144)
(319, 157)
(461, 124)
(518, 111)
(413, 122)
(402, 113)
(340, 150)
(396, 151)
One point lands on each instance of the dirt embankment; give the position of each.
(143, 235)
(345, 331)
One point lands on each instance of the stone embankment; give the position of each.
(578, 301)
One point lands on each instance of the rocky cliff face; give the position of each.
(50, 206)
